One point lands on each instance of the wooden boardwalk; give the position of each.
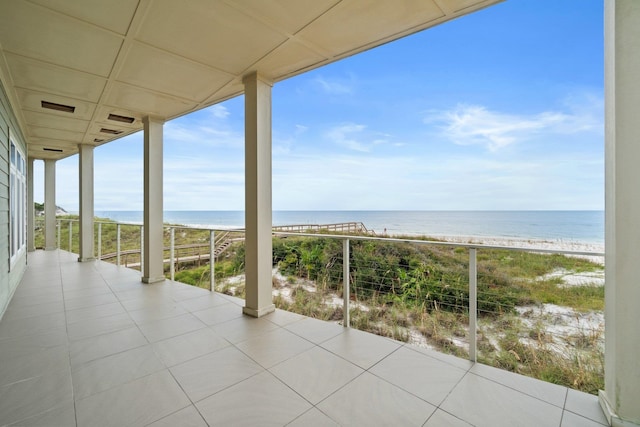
(198, 252)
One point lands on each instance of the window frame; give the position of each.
(17, 202)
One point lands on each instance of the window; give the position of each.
(17, 203)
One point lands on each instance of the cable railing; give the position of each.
(494, 304)
(488, 303)
(123, 243)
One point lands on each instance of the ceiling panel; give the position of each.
(64, 135)
(146, 102)
(454, 6)
(287, 59)
(37, 75)
(40, 148)
(100, 133)
(97, 139)
(103, 112)
(288, 15)
(32, 101)
(356, 23)
(158, 70)
(97, 130)
(233, 88)
(217, 35)
(54, 121)
(114, 15)
(39, 33)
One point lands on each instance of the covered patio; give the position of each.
(89, 344)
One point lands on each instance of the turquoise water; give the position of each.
(576, 226)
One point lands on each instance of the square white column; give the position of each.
(153, 270)
(87, 241)
(621, 396)
(258, 244)
(49, 205)
(31, 215)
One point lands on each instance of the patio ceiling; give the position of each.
(87, 71)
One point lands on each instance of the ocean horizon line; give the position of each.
(551, 225)
(358, 210)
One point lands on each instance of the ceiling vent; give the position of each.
(55, 150)
(111, 131)
(122, 119)
(57, 107)
(98, 140)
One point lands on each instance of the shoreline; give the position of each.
(519, 242)
(552, 245)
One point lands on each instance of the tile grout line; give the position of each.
(564, 406)
(520, 391)
(66, 328)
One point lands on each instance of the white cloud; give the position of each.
(477, 125)
(357, 137)
(211, 126)
(219, 111)
(200, 133)
(345, 135)
(335, 86)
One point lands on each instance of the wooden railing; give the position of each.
(340, 227)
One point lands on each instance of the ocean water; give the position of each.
(570, 226)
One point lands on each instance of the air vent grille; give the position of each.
(57, 107)
(111, 131)
(122, 119)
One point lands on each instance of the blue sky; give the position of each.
(501, 109)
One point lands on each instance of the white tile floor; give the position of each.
(88, 344)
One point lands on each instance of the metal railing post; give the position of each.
(473, 305)
(141, 248)
(172, 248)
(99, 241)
(212, 261)
(117, 244)
(70, 236)
(59, 234)
(346, 322)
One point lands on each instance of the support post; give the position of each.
(59, 227)
(99, 240)
(346, 294)
(619, 399)
(118, 244)
(71, 236)
(212, 261)
(153, 227)
(31, 215)
(172, 253)
(86, 237)
(473, 304)
(141, 248)
(50, 205)
(258, 243)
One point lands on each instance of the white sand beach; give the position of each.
(561, 245)
(552, 245)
